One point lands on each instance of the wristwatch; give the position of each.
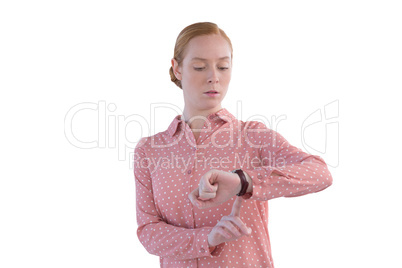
(244, 183)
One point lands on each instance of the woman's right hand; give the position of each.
(230, 227)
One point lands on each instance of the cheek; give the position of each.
(226, 78)
(194, 76)
(191, 81)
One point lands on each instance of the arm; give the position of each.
(285, 170)
(282, 170)
(157, 236)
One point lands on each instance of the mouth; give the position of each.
(212, 93)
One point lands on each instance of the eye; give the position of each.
(199, 68)
(223, 68)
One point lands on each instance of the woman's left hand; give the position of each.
(215, 188)
(230, 227)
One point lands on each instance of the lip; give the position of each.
(211, 94)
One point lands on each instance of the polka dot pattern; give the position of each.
(169, 165)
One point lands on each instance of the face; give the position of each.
(207, 66)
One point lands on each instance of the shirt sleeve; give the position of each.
(299, 173)
(157, 236)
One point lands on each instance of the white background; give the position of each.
(65, 206)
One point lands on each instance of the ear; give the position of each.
(176, 69)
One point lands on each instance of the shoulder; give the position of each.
(253, 126)
(161, 139)
(258, 133)
(145, 143)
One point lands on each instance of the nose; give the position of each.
(213, 77)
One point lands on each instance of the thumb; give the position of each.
(208, 182)
(207, 190)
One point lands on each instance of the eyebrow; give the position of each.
(222, 58)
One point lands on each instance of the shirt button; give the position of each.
(189, 172)
(259, 176)
(211, 117)
(202, 250)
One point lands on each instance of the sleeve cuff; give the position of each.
(203, 247)
(260, 177)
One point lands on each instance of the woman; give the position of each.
(193, 179)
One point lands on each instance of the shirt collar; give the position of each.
(222, 114)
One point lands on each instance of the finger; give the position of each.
(223, 232)
(206, 195)
(193, 196)
(236, 206)
(230, 226)
(239, 223)
(206, 185)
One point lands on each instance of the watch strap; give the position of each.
(243, 181)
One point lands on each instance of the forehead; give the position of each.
(208, 47)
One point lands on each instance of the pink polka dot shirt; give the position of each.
(169, 165)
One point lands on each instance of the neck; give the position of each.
(189, 115)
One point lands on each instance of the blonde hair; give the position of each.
(188, 33)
